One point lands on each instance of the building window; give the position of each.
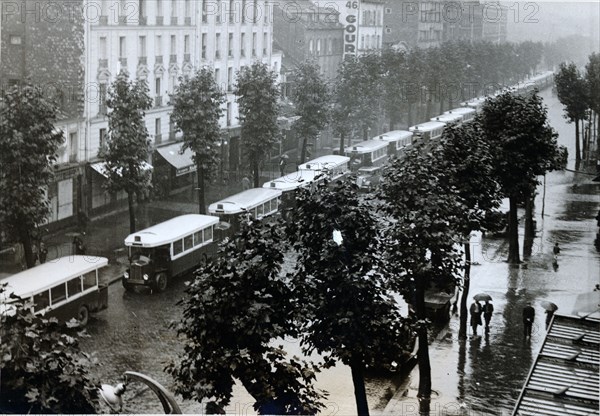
(173, 8)
(102, 138)
(102, 48)
(217, 79)
(230, 79)
(186, 44)
(318, 46)
(158, 100)
(204, 11)
(310, 46)
(231, 11)
(142, 47)
(204, 46)
(265, 42)
(255, 12)
(173, 45)
(218, 12)
(230, 45)
(228, 114)
(73, 147)
(254, 44)
(16, 40)
(188, 8)
(243, 45)
(102, 92)
(157, 131)
(122, 47)
(243, 11)
(218, 46)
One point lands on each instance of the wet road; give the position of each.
(484, 375)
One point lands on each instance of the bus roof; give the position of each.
(293, 180)
(324, 162)
(244, 201)
(427, 126)
(51, 273)
(448, 118)
(170, 230)
(394, 135)
(367, 146)
(460, 110)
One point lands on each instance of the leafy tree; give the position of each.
(257, 94)
(128, 143)
(524, 146)
(43, 369)
(28, 146)
(592, 79)
(468, 156)
(394, 74)
(312, 98)
(347, 315)
(238, 307)
(421, 239)
(572, 92)
(196, 112)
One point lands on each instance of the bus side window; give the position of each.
(187, 242)
(89, 280)
(41, 300)
(58, 293)
(177, 247)
(197, 238)
(208, 233)
(74, 286)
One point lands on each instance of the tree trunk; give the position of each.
(342, 143)
(131, 212)
(303, 150)
(529, 226)
(201, 201)
(410, 115)
(462, 331)
(25, 239)
(423, 355)
(513, 231)
(577, 144)
(362, 407)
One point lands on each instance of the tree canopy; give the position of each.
(197, 108)
(126, 150)
(28, 149)
(257, 96)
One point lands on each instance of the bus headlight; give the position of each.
(145, 276)
(126, 275)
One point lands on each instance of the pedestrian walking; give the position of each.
(475, 311)
(43, 252)
(549, 315)
(282, 164)
(528, 318)
(34, 253)
(245, 183)
(488, 310)
(78, 246)
(556, 251)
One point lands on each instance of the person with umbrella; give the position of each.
(550, 309)
(475, 311)
(488, 309)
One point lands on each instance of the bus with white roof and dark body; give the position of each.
(475, 103)
(448, 118)
(258, 202)
(397, 140)
(368, 153)
(333, 166)
(169, 249)
(64, 288)
(467, 113)
(427, 132)
(290, 183)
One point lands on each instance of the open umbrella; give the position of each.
(482, 297)
(549, 306)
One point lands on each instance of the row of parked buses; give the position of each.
(176, 246)
(70, 287)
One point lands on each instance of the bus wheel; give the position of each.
(128, 286)
(83, 315)
(161, 282)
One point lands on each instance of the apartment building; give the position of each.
(81, 50)
(370, 28)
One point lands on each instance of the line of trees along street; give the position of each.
(578, 92)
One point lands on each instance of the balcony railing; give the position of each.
(159, 20)
(172, 58)
(143, 60)
(158, 59)
(158, 101)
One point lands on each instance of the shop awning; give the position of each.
(100, 167)
(182, 162)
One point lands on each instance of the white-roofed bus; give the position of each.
(467, 113)
(368, 153)
(257, 202)
(64, 288)
(290, 183)
(332, 166)
(398, 141)
(171, 248)
(425, 133)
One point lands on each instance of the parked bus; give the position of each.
(427, 132)
(64, 288)
(368, 153)
(171, 248)
(289, 184)
(258, 202)
(467, 113)
(475, 103)
(448, 118)
(333, 166)
(397, 140)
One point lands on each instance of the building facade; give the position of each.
(81, 47)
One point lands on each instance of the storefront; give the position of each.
(173, 170)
